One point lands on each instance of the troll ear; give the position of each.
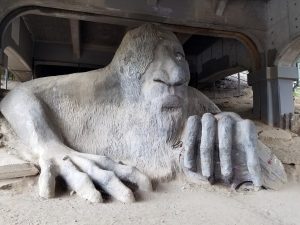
(133, 65)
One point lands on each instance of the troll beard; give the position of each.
(155, 131)
(169, 125)
(165, 122)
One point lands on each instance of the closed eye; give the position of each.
(159, 81)
(178, 83)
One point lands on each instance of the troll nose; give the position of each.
(171, 78)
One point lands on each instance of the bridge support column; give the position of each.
(273, 95)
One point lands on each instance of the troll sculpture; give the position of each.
(125, 122)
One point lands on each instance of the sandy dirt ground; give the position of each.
(175, 202)
(171, 203)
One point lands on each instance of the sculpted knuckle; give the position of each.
(104, 158)
(122, 170)
(109, 177)
(129, 169)
(145, 179)
(249, 122)
(226, 120)
(208, 121)
(207, 116)
(193, 119)
(84, 178)
(91, 167)
(47, 165)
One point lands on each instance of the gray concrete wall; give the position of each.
(283, 31)
(235, 51)
(223, 58)
(49, 53)
(247, 17)
(19, 39)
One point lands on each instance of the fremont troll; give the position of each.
(136, 120)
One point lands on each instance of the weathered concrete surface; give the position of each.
(283, 31)
(251, 15)
(198, 14)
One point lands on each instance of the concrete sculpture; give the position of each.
(127, 122)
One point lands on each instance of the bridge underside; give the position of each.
(219, 39)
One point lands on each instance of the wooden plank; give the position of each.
(13, 167)
(75, 35)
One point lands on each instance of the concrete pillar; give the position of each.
(273, 94)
